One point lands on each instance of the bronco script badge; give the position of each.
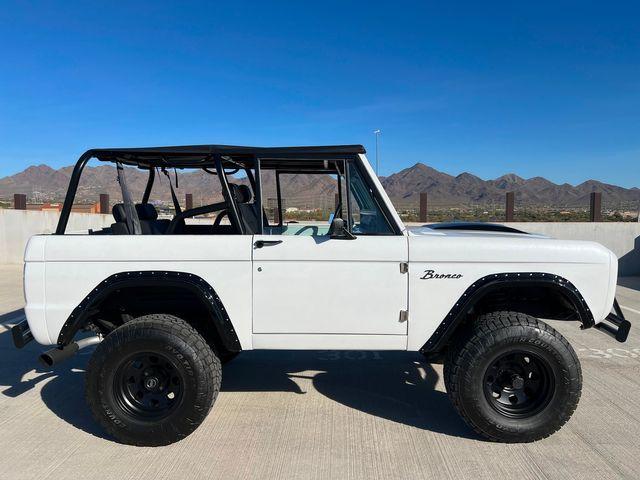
(429, 274)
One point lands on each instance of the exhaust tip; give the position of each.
(46, 360)
(56, 355)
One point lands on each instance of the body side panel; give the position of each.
(78, 263)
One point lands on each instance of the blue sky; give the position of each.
(542, 88)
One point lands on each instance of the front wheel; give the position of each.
(152, 381)
(513, 378)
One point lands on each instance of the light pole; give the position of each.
(377, 134)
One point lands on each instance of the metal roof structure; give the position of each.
(191, 156)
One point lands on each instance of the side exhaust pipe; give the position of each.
(59, 354)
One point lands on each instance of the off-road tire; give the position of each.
(472, 359)
(188, 362)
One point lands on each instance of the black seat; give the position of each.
(148, 216)
(120, 216)
(248, 211)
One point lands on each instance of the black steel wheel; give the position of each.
(512, 377)
(519, 384)
(152, 381)
(148, 385)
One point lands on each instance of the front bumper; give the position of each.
(615, 324)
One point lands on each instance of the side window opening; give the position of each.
(301, 201)
(302, 197)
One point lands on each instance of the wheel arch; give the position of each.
(524, 292)
(219, 330)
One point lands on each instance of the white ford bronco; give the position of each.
(166, 302)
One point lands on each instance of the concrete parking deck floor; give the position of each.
(346, 415)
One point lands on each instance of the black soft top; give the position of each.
(203, 155)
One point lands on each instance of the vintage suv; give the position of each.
(168, 301)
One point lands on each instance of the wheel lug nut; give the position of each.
(517, 382)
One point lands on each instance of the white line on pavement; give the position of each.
(630, 309)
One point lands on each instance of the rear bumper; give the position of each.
(615, 324)
(21, 334)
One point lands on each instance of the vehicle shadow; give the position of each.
(397, 386)
(62, 387)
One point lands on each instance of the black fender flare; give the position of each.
(196, 284)
(489, 283)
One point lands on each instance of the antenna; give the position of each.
(377, 133)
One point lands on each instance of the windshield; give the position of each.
(368, 218)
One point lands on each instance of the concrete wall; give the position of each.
(16, 226)
(622, 238)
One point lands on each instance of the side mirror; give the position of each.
(338, 231)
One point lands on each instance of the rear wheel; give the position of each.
(513, 378)
(152, 381)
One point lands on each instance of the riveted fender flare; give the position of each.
(194, 283)
(489, 283)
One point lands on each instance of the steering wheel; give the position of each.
(313, 228)
(192, 212)
(220, 216)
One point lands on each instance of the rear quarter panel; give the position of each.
(75, 264)
(34, 288)
(585, 264)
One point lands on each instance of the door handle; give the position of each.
(266, 243)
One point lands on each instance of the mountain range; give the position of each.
(42, 183)
(466, 188)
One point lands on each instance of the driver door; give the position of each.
(314, 291)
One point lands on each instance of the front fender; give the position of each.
(490, 283)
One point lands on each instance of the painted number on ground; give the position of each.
(600, 353)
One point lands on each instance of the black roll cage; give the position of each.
(222, 158)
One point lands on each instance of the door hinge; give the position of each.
(404, 315)
(404, 267)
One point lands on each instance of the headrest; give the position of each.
(119, 213)
(242, 193)
(146, 211)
